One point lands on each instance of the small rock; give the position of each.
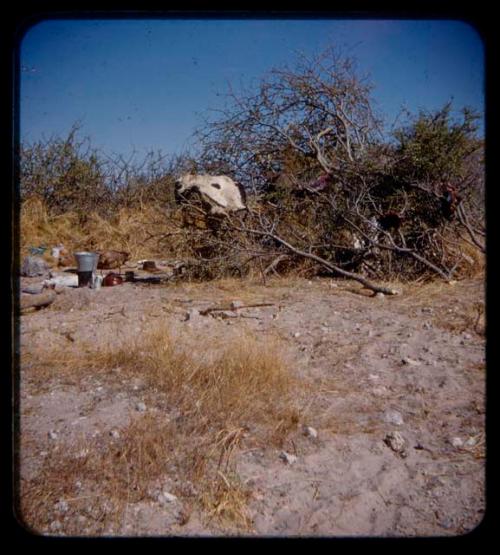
(393, 417)
(410, 361)
(333, 284)
(169, 497)
(427, 326)
(325, 329)
(427, 310)
(309, 431)
(380, 295)
(52, 435)
(43, 453)
(114, 433)
(471, 442)
(457, 442)
(296, 334)
(396, 442)
(55, 525)
(141, 407)
(379, 391)
(373, 377)
(287, 457)
(446, 523)
(237, 304)
(191, 314)
(33, 266)
(61, 506)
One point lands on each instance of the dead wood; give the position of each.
(40, 300)
(325, 263)
(231, 308)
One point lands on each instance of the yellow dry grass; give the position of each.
(241, 394)
(141, 232)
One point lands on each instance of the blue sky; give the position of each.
(144, 84)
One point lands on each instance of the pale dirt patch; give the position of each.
(348, 349)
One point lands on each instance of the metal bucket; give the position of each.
(86, 261)
(86, 267)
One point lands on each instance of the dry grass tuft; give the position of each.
(210, 406)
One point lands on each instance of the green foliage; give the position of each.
(434, 147)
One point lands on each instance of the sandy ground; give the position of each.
(411, 364)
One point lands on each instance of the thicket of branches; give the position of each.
(328, 190)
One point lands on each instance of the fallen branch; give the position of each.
(332, 267)
(231, 308)
(38, 301)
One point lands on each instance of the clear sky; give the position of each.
(144, 84)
